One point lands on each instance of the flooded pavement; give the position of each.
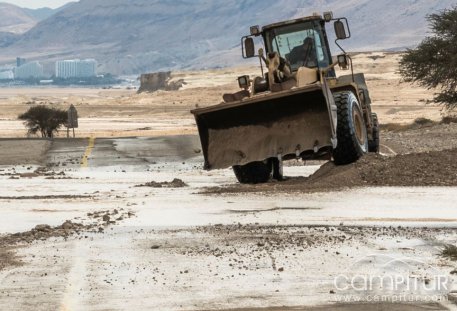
(182, 249)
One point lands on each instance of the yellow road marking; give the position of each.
(84, 161)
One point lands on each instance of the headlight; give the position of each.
(244, 82)
(328, 16)
(343, 61)
(255, 30)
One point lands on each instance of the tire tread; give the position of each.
(348, 149)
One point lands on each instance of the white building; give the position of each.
(76, 68)
(29, 70)
(87, 68)
(7, 75)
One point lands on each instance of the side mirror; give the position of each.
(340, 30)
(249, 47)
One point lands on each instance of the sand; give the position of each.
(117, 113)
(24, 151)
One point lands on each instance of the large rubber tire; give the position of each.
(351, 130)
(254, 172)
(373, 144)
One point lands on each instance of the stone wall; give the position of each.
(152, 82)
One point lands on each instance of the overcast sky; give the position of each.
(35, 4)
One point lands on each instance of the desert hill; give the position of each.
(129, 37)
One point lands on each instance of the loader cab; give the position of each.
(302, 42)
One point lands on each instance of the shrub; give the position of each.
(433, 63)
(43, 119)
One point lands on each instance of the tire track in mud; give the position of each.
(75, 277)
(270, 254)
(390, 150)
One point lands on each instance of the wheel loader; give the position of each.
(297, 108)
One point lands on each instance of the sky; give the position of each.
(35, 4)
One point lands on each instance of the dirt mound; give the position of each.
(175, 183)
(419, 123)
(42, 232)
(8, 258)
(431, 138)
(96, 223)
(39, 172)
(46, 197)
(437, 168)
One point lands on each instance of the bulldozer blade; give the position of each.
(286, 124)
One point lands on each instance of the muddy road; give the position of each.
(136, 224)
(435, 168)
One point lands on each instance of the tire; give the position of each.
(373, 144)
(351, 130)
(254, 172)
(277, 167)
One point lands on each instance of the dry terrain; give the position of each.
(117, 113)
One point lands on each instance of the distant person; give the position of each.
(304, 55)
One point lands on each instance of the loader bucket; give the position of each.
(286, 123)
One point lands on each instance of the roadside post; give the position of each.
(72, 120)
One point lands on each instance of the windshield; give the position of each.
(301, 44)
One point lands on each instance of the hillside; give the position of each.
(15, 20)
(143, 35)
(39, 14)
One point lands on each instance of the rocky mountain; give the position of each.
(13, 19)
(148, 35)
(17, 20)
(39, 14)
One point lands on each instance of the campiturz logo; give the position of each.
(385, 278)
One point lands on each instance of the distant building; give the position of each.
(76, 68)
(87, 68)
(66, 69)
(20, 61)
(29, 70)
(7, 75)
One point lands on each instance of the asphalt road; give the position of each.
(135, 151)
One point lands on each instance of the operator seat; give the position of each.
(303, 55)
